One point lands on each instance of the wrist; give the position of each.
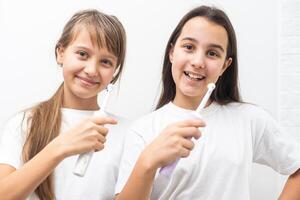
(147, 165)
(56, 151)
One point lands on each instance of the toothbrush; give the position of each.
(210, 89)
(167, 170)
(84, 159)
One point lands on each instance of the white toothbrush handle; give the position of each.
(84, 159)
(82, 163)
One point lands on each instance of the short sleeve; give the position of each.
(274, 147)
(11, 142)
(134, 145)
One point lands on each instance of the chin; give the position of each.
(191, 93)
(84, 94)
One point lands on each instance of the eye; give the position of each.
(212, 54)
(83, 54)
(188, 47)
(107, 62)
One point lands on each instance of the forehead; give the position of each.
(205, 31)
(84, 36)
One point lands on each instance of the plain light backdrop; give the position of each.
(29, 73)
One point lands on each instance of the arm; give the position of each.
(278, 150)
(34, 172)
(171, 144)
(140, 181)
(291, 190)
(89, 135)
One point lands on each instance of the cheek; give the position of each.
(215, 69)
(179, 57)
(175, 73)
(72, 65)
(67, 72)
(178, 65)
(107, 74)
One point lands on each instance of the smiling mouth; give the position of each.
(88, 81)
(193, 76)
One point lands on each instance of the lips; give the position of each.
(194, 76)
(87, 81)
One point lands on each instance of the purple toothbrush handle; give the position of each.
(167, 170)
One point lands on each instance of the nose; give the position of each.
(91, 69)
(198, 60)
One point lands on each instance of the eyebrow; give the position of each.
(110, 55)
(210, 45)
(83, 47)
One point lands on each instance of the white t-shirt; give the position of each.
(101, 175)
(219, 166)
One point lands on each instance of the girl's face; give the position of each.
(86, 70)
(198, 58)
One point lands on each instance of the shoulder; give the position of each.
(148, 119)
(255, 116)
(17, 121)
(12, 139)
(148, 126)
(246, 109)
(15, 129)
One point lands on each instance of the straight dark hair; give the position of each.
(226, 90)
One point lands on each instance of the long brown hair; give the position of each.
(227, 85)
(44, 119)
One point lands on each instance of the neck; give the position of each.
(72, 101)
(190, 103)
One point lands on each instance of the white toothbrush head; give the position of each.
(210, 88)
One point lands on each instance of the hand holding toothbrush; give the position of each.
(85, 158)
(167, 170)
(172, 143)
(89, 135)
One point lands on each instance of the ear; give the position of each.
(171, 51)
(227, 63)
(60, 54)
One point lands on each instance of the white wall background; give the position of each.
(269, 58)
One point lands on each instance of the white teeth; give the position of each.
(196, 76)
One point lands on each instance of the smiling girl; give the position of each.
(217, 165)
(37, 147)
